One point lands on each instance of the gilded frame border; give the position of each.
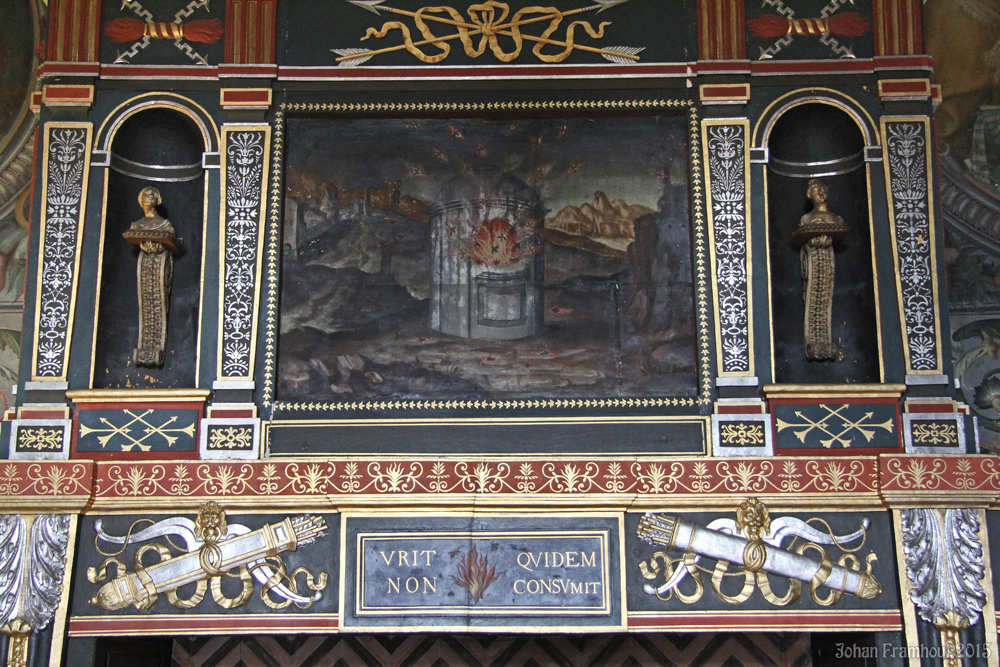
(700, 255)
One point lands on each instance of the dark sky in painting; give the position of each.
(567, 159)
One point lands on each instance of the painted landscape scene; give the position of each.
(486, 259)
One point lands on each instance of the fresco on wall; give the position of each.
(17, 63)
(472, 258)
(964, 38)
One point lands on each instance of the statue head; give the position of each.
(149, 199)
(817, 191)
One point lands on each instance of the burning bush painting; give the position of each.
(486, 259)
(475, 574)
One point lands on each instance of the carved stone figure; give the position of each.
(154, 235)
(815, 237)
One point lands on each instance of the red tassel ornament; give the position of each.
(206, 31)
(844, 24)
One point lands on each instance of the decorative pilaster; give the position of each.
(66, 162)
(245, 152)
(73, 33)
(32, 564)
(728, 184)
(945, 569)
(906, 141)
(897, 27)
(721, 30)
(250, 36)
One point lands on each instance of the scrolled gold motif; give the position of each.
(757, 540)
(919, 473)
(131, 480)
(657, 478)
(489, 22)
(396, 478)
(741, 434)
(526, 477)
(745, 476)
(483, 477)
(438, 477)
(245, 555)
(231, 437)
(10, 480)
(43, 439)
(226, 479)
(935, 434)
(55, 480)
(570, 478)
(615, 478)
(313, 478)
(837, 476)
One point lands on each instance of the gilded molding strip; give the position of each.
(911, 210)
(65, 171)
(273, 244)
(901, 480)
(273, 247)
(33, 486)
(244, 171)
(919, 481)
(700, 251)
(727, 178)
(300, 480)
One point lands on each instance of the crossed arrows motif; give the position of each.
(844, 436)
(149, 431)
(483, 22)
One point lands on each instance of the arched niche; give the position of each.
(819, 140)
(162, 148)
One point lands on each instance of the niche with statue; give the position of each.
(822, 286)
(147, 327)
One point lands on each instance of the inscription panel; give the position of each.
(498, 571)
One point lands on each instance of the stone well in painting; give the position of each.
(486, 262)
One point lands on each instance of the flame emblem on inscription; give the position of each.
(475, 574)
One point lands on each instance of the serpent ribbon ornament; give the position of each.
(756, 540)
(489, 21)
(212, 549)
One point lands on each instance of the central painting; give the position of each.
(472, 258)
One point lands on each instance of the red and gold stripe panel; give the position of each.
(73, 35)
(250, 31)
(721, 30)
(897, 29)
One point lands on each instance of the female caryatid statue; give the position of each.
(157, 245)
(815, 237)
